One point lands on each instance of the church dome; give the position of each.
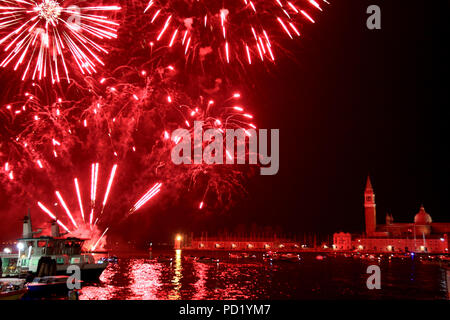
(422, 217)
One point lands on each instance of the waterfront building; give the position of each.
(242, 243)
(421, 235)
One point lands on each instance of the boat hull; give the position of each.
(47, 289)
(13, 295)
(91, 274)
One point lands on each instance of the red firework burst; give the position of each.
(239, 29)
(40, 34)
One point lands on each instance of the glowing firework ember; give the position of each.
(40, 35)
(238, 29)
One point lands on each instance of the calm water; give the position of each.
(140, 277)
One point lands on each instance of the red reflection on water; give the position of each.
(145, 280)
(100, 292)
(235, 290)
(176, 280)
(201, 271)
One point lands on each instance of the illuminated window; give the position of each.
(41, 244)
(75, 260)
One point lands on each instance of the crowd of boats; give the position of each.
(269, 257)
(275, 257)
(440, 259)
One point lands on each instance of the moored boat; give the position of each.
(281, 257)
(12, 288)
(240, 256)
(290, 257)
(190, 258)
(207, 260)
(50, 255)
(51, 285)
(164, 259)
(110, 259)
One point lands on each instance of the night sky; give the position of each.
(351, 102)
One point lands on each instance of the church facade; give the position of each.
(421, 235)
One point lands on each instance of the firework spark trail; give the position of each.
(95, 246)
(80, 202)
(94, 177)
(237, 29)
(61, 200)
(146, 197)
(39, 34)
(51, 215)
(108, 189)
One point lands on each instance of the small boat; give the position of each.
(207, 260)
(290, 257)
(164, 259)
(282, 257)
(235, 256)
(111, 259)
(190, 258)
(12, 288)
(243, 255)
(51, 285)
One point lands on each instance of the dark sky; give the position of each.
(351, 102)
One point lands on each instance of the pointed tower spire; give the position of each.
(369, 209)
(368, 184)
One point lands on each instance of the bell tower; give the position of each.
(369, 208)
